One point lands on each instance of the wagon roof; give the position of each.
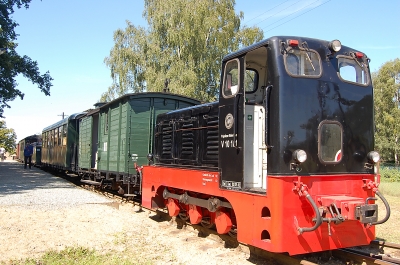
(64, 121)
(152, 95)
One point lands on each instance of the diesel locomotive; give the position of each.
(283, 161)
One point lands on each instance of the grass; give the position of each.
(389, 231)
(390, 188)
(390, 181)
(77, 256)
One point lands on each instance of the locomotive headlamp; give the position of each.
(150, 157)
(335, 45)
(299, 156)
(373, 157)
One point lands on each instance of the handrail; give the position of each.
(267, 91)
(235, 121)
(318, 219)
(387, 209)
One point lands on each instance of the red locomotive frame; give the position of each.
(271, 222)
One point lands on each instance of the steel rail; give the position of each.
(385, 244)
(363, 258)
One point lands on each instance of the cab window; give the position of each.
(353, 71)
(302, 63)
(250, 80)
(231, 79)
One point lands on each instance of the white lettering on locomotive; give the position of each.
(228, 143)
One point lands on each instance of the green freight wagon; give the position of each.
(60, 144)
(117, 136)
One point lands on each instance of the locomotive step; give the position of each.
(91, 182)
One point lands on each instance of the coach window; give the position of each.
(51, 138)
(44, 140)
(231, 79)
(56, 137)
(60, 129)
(330, 142)
(352, 71)
(302, 63)
(64, 135)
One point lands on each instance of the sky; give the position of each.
(70, 39)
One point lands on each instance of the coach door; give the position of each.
(231, 128)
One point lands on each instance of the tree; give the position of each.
(8, 137)
(386, 84)
(11, 63)
(183, 48)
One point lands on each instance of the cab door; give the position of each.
(231, 128)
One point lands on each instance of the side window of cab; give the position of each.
(231, 79)
(250, 80)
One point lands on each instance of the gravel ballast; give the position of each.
(36, 189)
(40, 212)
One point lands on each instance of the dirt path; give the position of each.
(40, 212)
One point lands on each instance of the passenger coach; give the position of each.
(60, 144)
(36, 141)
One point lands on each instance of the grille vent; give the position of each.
(212, 136)
(167, 140)
(187, 139)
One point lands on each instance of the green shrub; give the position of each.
(390, 174)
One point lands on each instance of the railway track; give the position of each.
(226, 240)
(378, 252)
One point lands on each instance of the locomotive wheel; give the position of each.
(205, 222)
(184, 215)
(233, 233)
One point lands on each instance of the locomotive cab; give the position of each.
(242, 128)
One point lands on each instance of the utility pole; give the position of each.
(63, 115)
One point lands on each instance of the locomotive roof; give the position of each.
(64, 121)
(276, 39)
